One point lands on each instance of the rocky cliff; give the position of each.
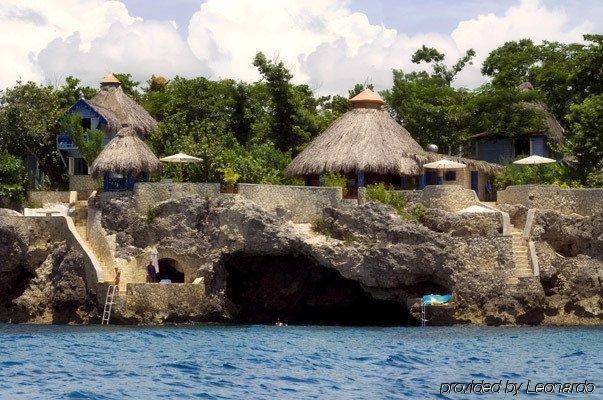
(41, 279)
(356, 265)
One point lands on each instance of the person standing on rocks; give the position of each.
(117, 278)
(151, 273)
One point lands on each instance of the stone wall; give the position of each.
(305, 203)
(148, 194)
(84, 185)
(159, 303)
(43, 229)
(42, 197)
(580, 201)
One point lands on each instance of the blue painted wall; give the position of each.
(538, 146)
(495, 150)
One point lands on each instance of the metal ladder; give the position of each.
(423, 319)
(109, 301)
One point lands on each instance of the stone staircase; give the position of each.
(80, 218)
(521, 257)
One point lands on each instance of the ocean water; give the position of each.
(268, 362)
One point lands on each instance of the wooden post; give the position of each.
(404, 182)
(359, 178)
(422, 181)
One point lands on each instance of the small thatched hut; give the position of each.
(367, 145)
(107, 111)
(542, 143)
(124, 161)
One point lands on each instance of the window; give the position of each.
(450, 176)
(86, 123)
(522, 146)
(80, 167)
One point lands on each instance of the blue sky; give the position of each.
(328, 44)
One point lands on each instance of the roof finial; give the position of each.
(109, 80)
(367, 99)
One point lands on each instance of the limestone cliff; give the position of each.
(356, 265)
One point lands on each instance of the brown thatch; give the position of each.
(477, 165)
(119, 109)
(366, 139)
(552, 129)
(125, 153)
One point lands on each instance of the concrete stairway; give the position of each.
(521, 258)
(80, 218)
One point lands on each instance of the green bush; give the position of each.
(335, 179)
(378, 192)
(12, 178)
(552, 174)
(151, 214)
(319, 225)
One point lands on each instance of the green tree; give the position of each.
(504, 112)
(129, 86)
(585, 137)
(431, 55)
(293, 108)
(70, 92)
(432, 111)
(88, 141)
(28, 126)
(12, 180)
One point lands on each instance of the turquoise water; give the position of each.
(266, 362)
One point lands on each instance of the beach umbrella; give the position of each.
(181, 158)
(443, 165)
(531, 160)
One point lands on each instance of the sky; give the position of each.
(328, 44)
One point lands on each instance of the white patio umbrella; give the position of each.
(534, 160)
(444, 164)
(181, 158)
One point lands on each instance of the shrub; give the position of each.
(12, 178)
(378, 192)
(335, 179)
(419, 211)
(151, 214)
(319, 225)
(552, 174)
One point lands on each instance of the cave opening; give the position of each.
(168, 269)
(294, 289)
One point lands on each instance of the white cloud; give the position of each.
(142, 48)
(323, 42)
(28, 26)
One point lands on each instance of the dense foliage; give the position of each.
(12, 179)
(251, 131)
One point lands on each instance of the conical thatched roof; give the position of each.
(125, 153)
(367, 138)
(119, 109)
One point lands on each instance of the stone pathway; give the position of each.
(521, 257)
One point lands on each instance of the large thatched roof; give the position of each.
(367, 138)
(552, 129)
(125, 153)
(119, 109)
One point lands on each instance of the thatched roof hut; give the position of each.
(118, 108)
(552, 129)
(368, 139)
(125, 154)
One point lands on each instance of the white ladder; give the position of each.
(109, 301)
(423, 319)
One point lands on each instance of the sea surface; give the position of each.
(293, 362)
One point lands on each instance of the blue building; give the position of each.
(107, 111)
(503, 150)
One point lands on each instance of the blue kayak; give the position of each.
(436, 299)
